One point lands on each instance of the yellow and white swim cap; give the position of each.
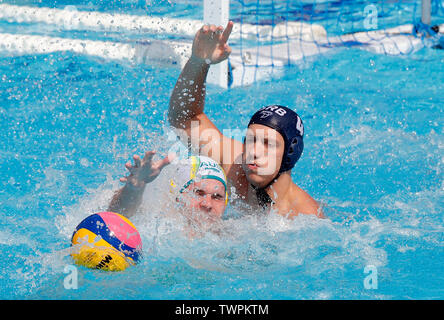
(196, 168)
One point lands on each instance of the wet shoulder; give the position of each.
(304, 203)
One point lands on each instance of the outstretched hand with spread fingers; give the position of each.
(145, 170)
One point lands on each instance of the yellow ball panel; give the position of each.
(97, 254)
(100, 258)
(84, 236)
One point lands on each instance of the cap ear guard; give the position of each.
(292, 154)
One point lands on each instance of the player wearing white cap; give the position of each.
(198, 182)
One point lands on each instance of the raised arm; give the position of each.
(186, 110)
(188, 97)
(127, 199)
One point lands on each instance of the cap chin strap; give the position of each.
(261, 193)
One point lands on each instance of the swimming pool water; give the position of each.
(373, 157)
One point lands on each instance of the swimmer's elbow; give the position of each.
(173, 120)
(179, 120)
(176, 122)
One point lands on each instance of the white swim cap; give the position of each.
(196, 168)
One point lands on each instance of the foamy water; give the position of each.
(373, 158)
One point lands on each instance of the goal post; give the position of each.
(217, 12)
(426, 7)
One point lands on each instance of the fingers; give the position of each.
(148, 156)
(212, 31)
(208, 32)
(227, 31)
(209, 28)
(129, 166)
(137, 161)
(141, 165)
(165, 161)
(138, 164)
(205, 29)
(150, 153)
(226, 51)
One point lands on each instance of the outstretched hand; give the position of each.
(145, 170)
(210, 43)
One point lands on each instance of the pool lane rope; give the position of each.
(152, 52)
(73, 19)
(247, 65)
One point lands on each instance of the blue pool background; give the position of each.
(373, 157)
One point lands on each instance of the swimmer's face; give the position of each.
(207, 197)
(263, 153)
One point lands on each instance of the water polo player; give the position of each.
(198, 182)
(260, 167)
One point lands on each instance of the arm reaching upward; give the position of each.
(188, 97)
